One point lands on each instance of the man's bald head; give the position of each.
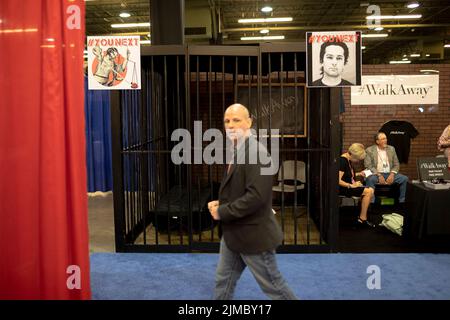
(238, 108)
(237, 121)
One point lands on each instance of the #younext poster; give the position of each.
(333, 59)
(114, 63)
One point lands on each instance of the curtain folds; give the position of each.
(44, 251)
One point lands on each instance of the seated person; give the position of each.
(348, 187)
(382, 160)
(444, 143)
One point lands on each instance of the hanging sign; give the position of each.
(397, 89)
(333, 59)
(114, 62)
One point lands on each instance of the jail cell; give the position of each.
(162, 206)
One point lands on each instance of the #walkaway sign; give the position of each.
(397, 89)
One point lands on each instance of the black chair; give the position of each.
(386, 191)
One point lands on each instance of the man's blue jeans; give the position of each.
(402, 180)
(263, 266)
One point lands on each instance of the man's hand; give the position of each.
(212, 207)
(390, 179)
(381, 179)
(97, 51)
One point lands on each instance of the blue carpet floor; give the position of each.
(311, 276)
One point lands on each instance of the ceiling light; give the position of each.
(264, 31)
(414, 55)
(405, 55)
(400, 16)
(413, 5)
(399, 62)
(427, 55)
(263, 38)
(405, 59)
(124, 15)
(145, 42)
(375, 35)
(447, 45)
(130, 25)
(378, 28)
(429, 71)
(265, 20)
(18, 30)
(266, 9)
(363, 47)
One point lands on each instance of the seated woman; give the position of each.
(444, 143)
(348, 187)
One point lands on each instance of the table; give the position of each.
(427, 211)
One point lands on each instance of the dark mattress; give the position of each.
(176, 201)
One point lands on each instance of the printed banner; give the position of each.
(114, 62)
(333, 59)
(397, 89)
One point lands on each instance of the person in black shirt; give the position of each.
(348, 187)
(333, 58)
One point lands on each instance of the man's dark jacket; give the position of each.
(245, 205)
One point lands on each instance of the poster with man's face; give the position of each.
(333, 59)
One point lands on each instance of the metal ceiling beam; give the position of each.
(386, 26)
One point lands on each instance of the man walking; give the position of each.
(250, 231)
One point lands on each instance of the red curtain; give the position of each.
(44, 251)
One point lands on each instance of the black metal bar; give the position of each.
(188, 126)
(280, 76)
(295, 147)
(308, 166)
(335, 95)
(155, 131)
(281, 149)
(178, 113)
(131, 163)
(198, 89)
(249, 84)
(259, 92)
(235, 78)
(117, 142)
(126, 165)
(166, 147)
(215, 166)
(270, 100)
(144, 157)
(224, 149)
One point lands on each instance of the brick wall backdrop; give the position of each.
(360, 123)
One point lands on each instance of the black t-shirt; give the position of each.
(399, 135)
(346, 167)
